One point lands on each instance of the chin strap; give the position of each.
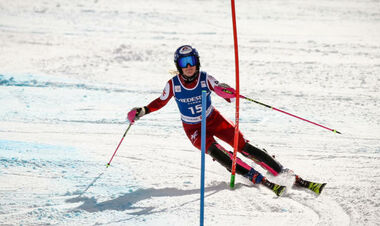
(189, 79)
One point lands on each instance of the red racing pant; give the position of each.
(216, 126)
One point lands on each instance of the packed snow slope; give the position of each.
(71, 70)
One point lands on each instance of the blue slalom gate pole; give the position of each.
(203, 147)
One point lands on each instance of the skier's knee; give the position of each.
(220, 155)
(224, 157)
(259, 155)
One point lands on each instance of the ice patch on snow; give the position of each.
(46, 81)
(31, 150)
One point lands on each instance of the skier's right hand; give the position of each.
(136, 113)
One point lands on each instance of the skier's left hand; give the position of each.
(220, 91)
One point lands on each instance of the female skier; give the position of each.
(186, 87)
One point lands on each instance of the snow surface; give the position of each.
(71, 70)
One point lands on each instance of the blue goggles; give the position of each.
(184, 61)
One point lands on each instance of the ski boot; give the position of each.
(277, 189)
(312, 186)
(257, 178)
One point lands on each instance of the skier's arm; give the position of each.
(218, 87)
(161, 101)
(137, 112)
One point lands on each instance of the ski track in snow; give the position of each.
(69, 72)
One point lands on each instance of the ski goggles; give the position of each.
(184, 61)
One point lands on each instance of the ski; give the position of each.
(277, 189)
(312, 186)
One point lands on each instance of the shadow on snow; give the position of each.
(126, 201)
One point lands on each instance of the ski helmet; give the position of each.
(180, 59)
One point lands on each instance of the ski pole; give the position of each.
(108, 164)
(231, 91)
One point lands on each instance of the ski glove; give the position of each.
(221, 91)
(136, 113)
